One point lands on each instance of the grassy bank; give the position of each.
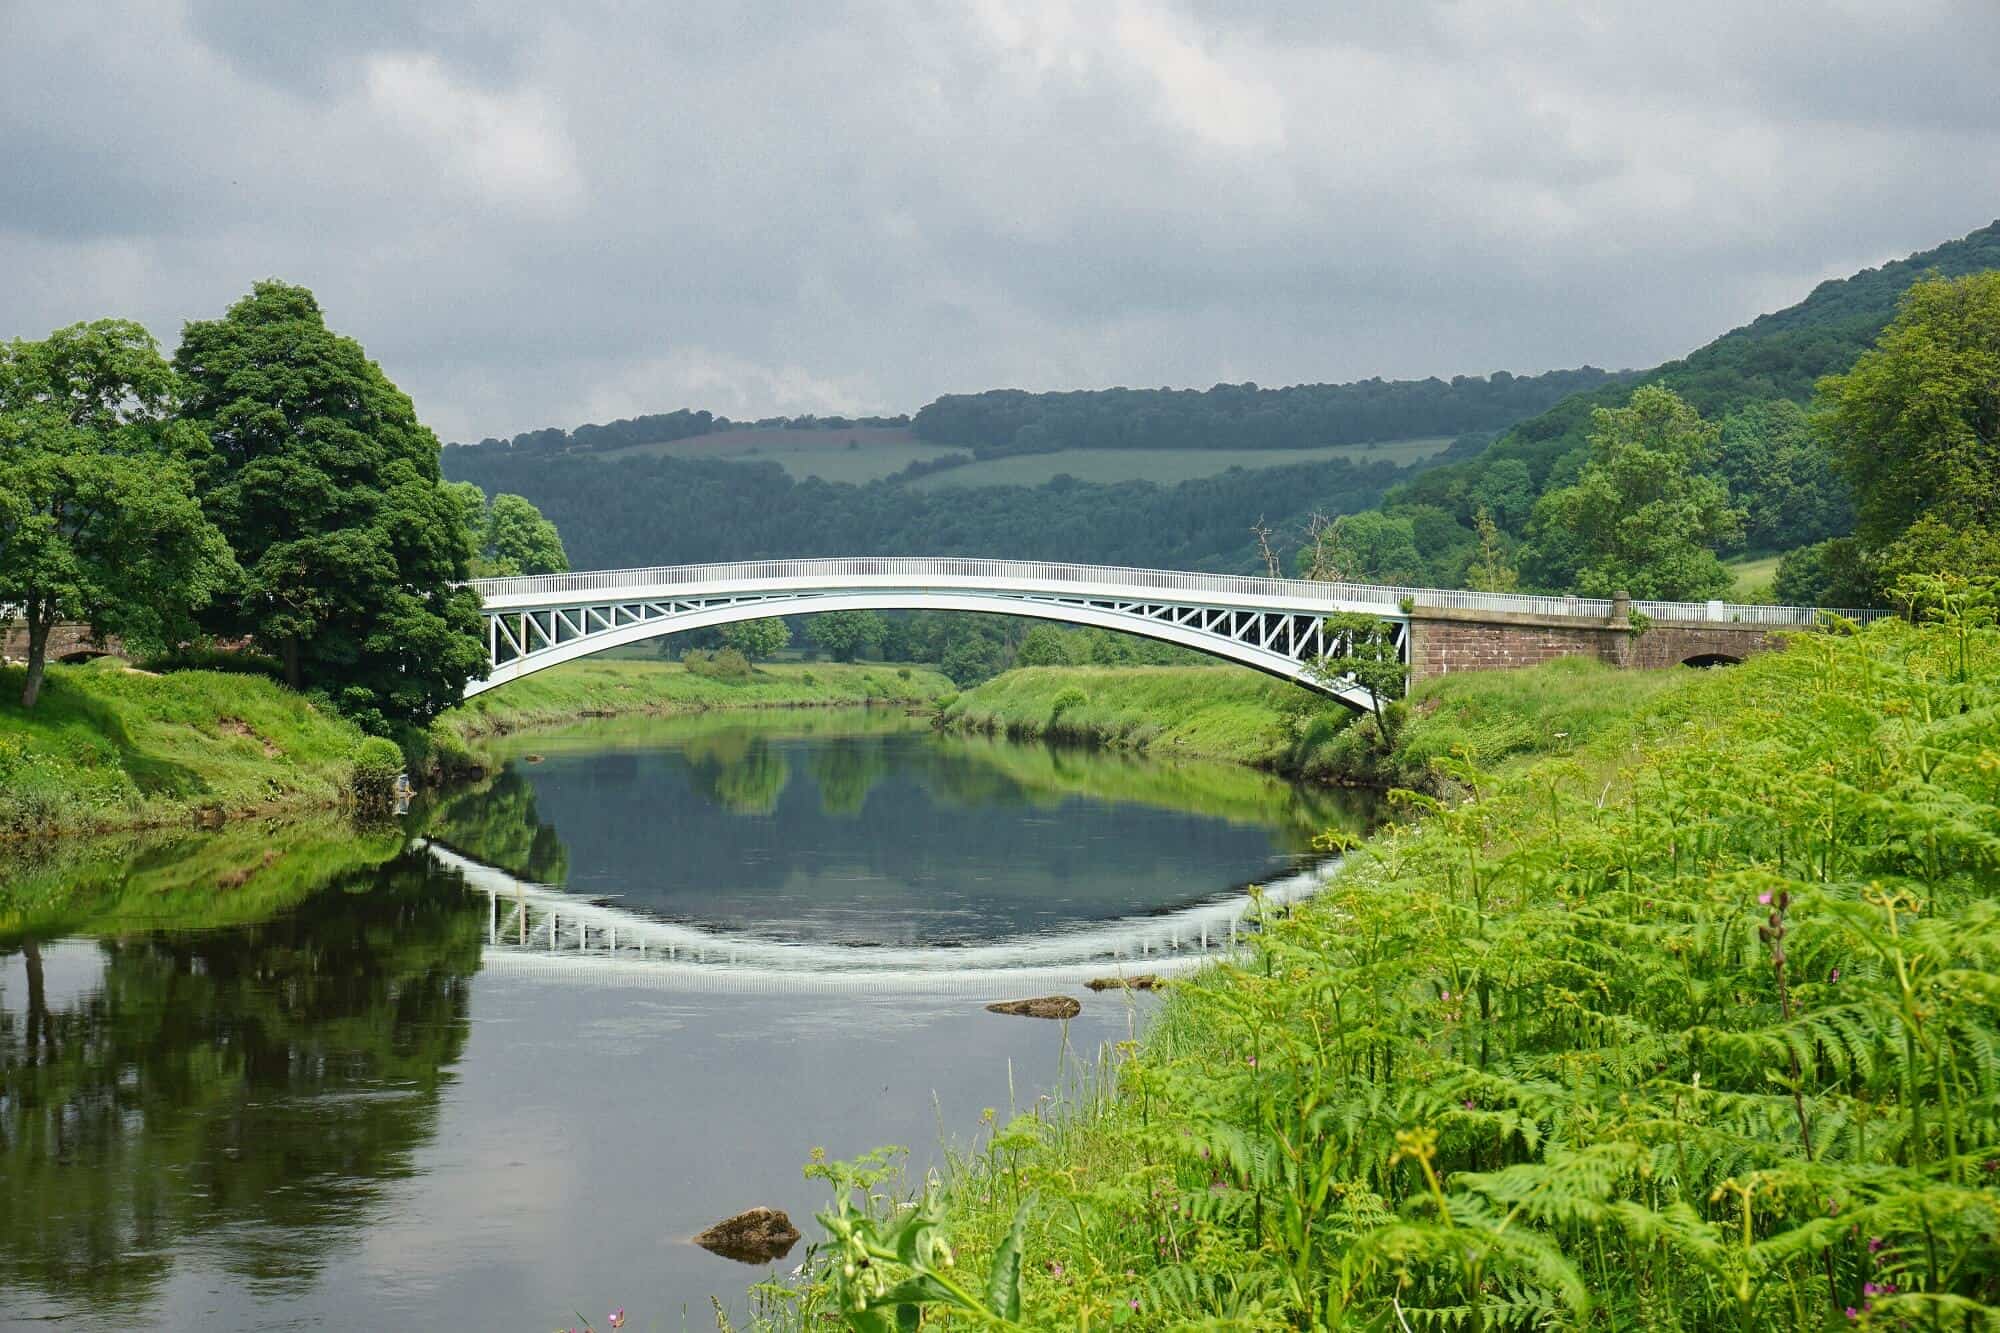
(595, 688)
(111, 748)
(1239, 715)
(1691, 1029)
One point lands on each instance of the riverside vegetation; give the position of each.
(1693, 1028)
(1231, 713)
(110, 747)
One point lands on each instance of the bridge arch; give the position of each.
(1214, 645)
(1276, 626)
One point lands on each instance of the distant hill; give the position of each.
(627, 493)
(691, 485)
(1775, 356)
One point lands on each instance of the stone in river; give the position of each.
(754, 1236)
(1144, 981)
(1043, 1006)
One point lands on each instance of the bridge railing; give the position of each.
(612, 582)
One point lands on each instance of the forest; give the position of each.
(640, 511)
(1244, 416)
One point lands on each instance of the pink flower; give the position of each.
(1764, 898)
(616, 1318)
(1135, 1302)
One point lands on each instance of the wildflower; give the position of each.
(1764, 898)
(1853, 1313)
(1833, 976)
(1135, 1302)
(1468, 1103)
(616, 1318)
(1251, 1061)
(1056, 1270)
(1875, 1244)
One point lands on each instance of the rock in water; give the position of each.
(754, 1236)
(1043, 1006)
(1144, 981)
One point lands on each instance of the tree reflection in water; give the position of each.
(226, 1091)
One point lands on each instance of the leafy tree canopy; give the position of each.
(1916, 426)
(98, 517)
(509, 536)
(328, 488)
(842, 635)
(1641, 517)
(757, 639)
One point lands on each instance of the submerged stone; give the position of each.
(753, 1236)
(1144, 981)
(1043, 1006)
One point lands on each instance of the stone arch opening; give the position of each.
(82, 655)
(1703, 661)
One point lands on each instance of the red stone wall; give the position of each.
(1445, 642)
(63, 641)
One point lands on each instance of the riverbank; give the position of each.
(1691, 1028)
(1242, 716)
(109, 748)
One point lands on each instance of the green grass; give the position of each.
(1693, 1028)
(1754, 576)
(1218, 712)
(1231, 713)
(594, 687)
(108, 748)
(1165, 466)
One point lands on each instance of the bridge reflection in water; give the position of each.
(536, 928)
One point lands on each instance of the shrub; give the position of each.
(244, 663)
(372, 779)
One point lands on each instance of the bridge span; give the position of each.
(1275, 625)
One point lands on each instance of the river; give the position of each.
(493, 1068)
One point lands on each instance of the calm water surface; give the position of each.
(492, 1069)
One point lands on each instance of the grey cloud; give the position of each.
(533, 213)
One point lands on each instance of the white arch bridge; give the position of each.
(1274, 625)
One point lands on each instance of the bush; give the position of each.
(372, 781)
(244, 663)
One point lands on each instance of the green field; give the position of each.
(1754, 574)
(877, 450)
(870, 453)
(1166, 466)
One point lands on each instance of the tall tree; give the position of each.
(1916, 428)
(508, 536)
(1369, 547)
(757, 639)
(842, 635)
(1641, 517)
(328, 487)
(1490, 570)
(98, 516)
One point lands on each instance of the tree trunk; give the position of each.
(38, 650)
(40, 1030)
(290, 652)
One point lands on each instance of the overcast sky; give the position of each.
(537, 213)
